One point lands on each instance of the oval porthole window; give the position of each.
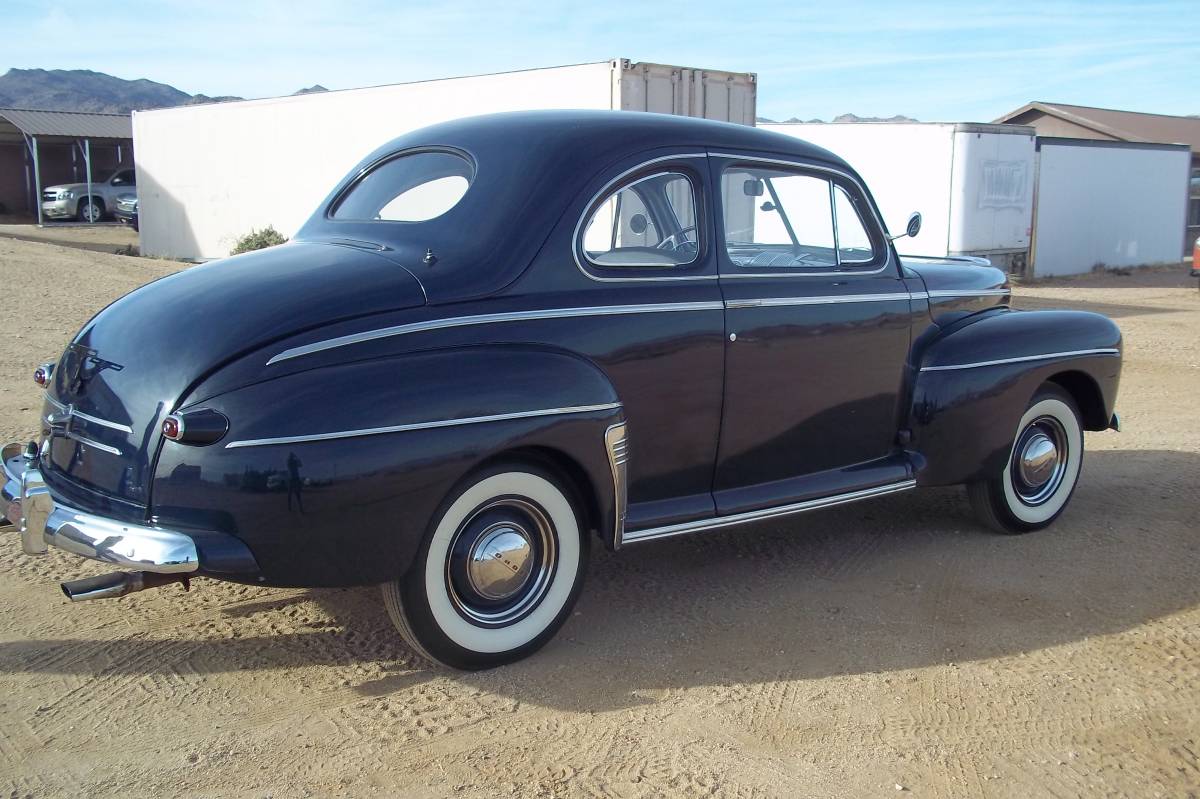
(410, 188)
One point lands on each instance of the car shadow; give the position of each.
(903, 582)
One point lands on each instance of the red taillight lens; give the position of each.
(172, 428)
(41, 375)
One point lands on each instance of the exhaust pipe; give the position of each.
(110, 586)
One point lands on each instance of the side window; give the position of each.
(650, 222)
(780, 219)
(854, 245)
(125, 178)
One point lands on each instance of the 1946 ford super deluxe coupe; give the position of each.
(501, 337)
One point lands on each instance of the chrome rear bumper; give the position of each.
(42, 521)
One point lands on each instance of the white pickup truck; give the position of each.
(72, 201)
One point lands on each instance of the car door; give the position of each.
(817, 333)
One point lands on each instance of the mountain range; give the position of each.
(85, 90)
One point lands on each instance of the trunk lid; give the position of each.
(130, 365)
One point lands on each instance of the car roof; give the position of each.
(589, 130)
(532, 168)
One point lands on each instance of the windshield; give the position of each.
(409, 188)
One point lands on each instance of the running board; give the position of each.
(634, 536)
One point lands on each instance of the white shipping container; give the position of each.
(208, 174)
(972, 183)
(1108, 203)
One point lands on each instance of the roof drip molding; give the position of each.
(73, 124)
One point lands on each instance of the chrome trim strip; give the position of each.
(124, 428)
(71, 434)
(821, 300)
(617, 447)
(487, 319)
(405, 428)
(970, 293)
(576, 245)
(1020, 359)
(765, 513)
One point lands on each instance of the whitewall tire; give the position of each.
(498, 572)
(1042, 469)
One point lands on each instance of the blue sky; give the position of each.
(933, 61)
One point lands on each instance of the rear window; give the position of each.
(409, 188)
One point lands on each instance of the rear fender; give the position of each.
(972, 384)
(331, 476)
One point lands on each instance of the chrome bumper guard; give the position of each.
(29, 508)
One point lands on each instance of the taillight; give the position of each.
(42, 374)
(201, 426)
(172, 427)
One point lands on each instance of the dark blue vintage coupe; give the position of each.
(501, 338)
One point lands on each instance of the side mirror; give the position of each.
(911, 229)
(914, 225)
(638, 223)
(753, 188)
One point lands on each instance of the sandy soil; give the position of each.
(884, 649)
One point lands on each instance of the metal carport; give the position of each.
(31, 129)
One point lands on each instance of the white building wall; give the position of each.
(209, 174)
(1109, 203)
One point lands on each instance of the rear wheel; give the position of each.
(497, 574)
(1041, 471)
(90, 210)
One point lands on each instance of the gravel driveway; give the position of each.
(887, 648)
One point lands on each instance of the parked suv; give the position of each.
(72, 201)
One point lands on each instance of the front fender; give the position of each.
(973, 383)
(332, 475)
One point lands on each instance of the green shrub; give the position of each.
(257, 240)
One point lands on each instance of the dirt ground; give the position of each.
(107, 237)
(888, 648)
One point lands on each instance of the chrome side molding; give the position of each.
(1021, 359)
(405, 428)
(718, 522)
(488, 319)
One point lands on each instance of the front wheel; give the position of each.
(1041, 471)
(497, 574)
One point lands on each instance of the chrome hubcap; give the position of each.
(1039, 460)
(501, 562)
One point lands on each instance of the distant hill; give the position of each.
(85, 90)
(847, 118)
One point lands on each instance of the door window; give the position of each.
(776, 219)
(650, 222)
